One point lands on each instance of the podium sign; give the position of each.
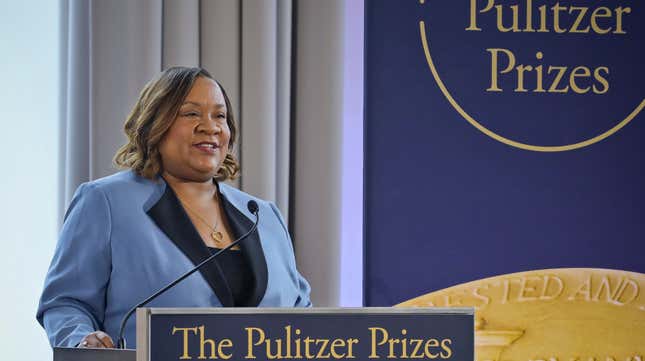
(305, 334)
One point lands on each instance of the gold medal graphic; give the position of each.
(569, 314)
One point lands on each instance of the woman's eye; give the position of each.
(191, 114)
(223, 116)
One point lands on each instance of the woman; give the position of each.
(127, 235)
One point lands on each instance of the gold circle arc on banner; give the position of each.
(507, 141)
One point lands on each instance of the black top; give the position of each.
(237, 273)
(169, 215)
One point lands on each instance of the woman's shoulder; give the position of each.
(124, 185)
(237, 196)
(240, 200)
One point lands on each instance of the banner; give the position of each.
(505, 137)
(500, 137)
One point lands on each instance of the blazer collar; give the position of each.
(251, 248)
(169, 215)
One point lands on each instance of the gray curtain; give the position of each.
(318, 144)
(281, 62)
(112, 49)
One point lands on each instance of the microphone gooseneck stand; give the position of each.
(253, 208)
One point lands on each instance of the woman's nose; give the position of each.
(209, 125)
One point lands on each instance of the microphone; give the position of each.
(253, 208)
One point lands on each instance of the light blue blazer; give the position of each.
(125, 237)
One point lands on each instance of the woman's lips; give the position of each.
(208, 148)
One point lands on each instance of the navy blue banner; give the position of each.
(317, 334)
(501, 136)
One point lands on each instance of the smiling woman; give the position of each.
(198, 140)
(127, 235)
(169, 104)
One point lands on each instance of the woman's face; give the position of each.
(197, 142)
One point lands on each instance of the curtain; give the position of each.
(112, 49)
(281, 62)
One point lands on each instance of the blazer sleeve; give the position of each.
(304, 290)
(73, 299)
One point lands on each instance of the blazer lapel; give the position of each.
(251, 249)
(172, 219)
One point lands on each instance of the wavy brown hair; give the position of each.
(155, 112)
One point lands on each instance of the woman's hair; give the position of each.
(155, 112)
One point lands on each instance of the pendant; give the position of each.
(217, 236)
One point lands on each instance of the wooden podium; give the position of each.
(259, 334)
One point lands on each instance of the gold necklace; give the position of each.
(216, 235)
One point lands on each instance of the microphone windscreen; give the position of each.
(253, 206)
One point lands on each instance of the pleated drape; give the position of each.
(112, 48)
(318, 145)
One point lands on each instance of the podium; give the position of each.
(259, 334)
(93, 354)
